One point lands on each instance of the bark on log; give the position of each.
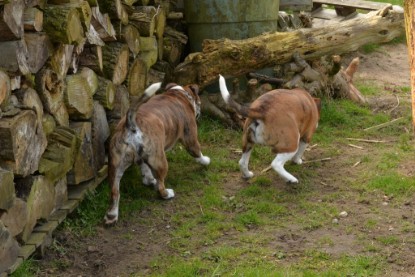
(61, 58)
(63, 24)
(100, 133)
(236, 58)
(5, 89)
(115, 61)
(7, 193)
(9, 248)
(22, 143)
(92, 57)
(39, 194)
(173, 46)
(78, 97)
(59, 156)
(38, 48)
(33, 20)
(137, 77)
(93, 36)
(29, 98)
(11, 20)
(16, 217)
(84, 167)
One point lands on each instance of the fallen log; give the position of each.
(100, 133)
(78, 97)
(238, 57)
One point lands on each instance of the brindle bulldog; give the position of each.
(149, 129)
(283, 119)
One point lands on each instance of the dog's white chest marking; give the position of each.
(258, 131)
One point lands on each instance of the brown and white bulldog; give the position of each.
(283, 119)
(147, 131)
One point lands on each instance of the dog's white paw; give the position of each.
(248, 174)
(292, 180)
(111, 218)
(149, 181)
(170, 194)
(297, 161)
(205, 160)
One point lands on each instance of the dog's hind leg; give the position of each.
(148, 178)
(192, 145)
(159, 166)
(247, 146)
(278, 165)
(299, 155)
(116, 169)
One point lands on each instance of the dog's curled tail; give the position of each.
(240, 109)
(130, 120)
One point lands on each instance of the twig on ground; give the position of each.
(367, 140)
(384, 124)
(356, 164)
(397, 105)
(355, 146)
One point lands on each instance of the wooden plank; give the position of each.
(70, 205)
(36, 239)
(358, 4)
(59, 216)
(296, 5)
(15, 266)
(47, 227)
(26, 251)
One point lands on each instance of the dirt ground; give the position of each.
(108, 253)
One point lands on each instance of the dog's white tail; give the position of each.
(223, 89)
(151, 90)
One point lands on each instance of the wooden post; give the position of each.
(410, 37)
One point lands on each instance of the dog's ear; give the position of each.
(170, 85)
(195, 89)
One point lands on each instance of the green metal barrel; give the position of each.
(233, 19)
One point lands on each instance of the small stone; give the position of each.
(343, 214)
(335, 221)
(385, 203)
(92, 249)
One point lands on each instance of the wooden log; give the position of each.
(59, 156)
(78, 97)
(38, 48)
(105, 93)
(166, 68)
(60, 61)
(14, 57)
(155, 76)
(91, 57)
(84, 167)
(16, 217)
(35, 3)
(7, 193)
(137, 77)
(100, 133)
(63, 24)
(39, 194)
(129, 34)
(61, 116)
(121, 104)
(48, 124)
(102, 24)
(61, 193)
(173, 46)
(29, 98)
(115, 9)
(149, 50)
(159, 28)
(115, 61)
(11, 20)
(50, 88)
(409, 8)
(33, 20)
(5, 89)
(23, 142)
(91, 78)
(9, 248)
(93, 37)
(239, 57)
(143, 18)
